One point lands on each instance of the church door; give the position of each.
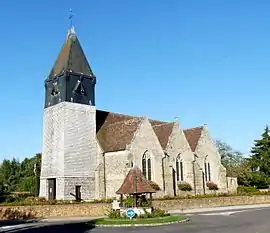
(52, 189)
(78, 192)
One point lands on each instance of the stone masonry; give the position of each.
(69, 150)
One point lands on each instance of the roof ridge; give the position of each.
(132, 119)
(197, 127)
(164, 123)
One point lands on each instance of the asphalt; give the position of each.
(243, 221)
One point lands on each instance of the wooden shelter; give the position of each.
(135, 184)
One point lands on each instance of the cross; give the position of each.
(71, 15)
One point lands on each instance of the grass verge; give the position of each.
(167, 219)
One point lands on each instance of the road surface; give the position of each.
(243, 221)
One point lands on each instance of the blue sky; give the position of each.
(207, 62)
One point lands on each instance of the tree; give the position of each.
(231, 159)
(260, 154)
(24, 176)
(259, 160)
(10, 174)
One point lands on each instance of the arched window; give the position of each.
(146, 165)
(179, 169)
(207, 170)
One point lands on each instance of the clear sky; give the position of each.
(207, 62)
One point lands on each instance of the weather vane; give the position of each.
(71, 15)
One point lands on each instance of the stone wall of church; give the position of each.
(146, 141)
(117, 166)
(100, 174)
(199, 182)
(178, 146)
(206, 149)
(69, 150)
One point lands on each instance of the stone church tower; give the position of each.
(69, 153)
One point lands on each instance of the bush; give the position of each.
(184, 186)
(159, 213)
(211, 185)
(155, 186)
(11, 214)
(129, 202)
(247, 189)
(114, 214)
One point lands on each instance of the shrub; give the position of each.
(145, 215)
(159, 213)
(247, 189)
(128, 202)
(114, 214)
(211, 185)
(184, 186)
(155, 186)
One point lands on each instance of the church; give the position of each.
(88, 152)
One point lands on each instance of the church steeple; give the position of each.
(71, 79)
(71, 57)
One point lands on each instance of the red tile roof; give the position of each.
(115, 131)
(163, 132)
(135, 183)
(193, 135)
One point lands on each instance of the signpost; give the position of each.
(130, 213)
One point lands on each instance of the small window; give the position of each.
(207, 170)
(179, 169)
(147, 166)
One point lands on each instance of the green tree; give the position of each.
(30, 173)
(260, 154)
(259, 160)
(24, 176)
(10, 174)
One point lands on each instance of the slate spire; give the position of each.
(71, 79)
(71, 57)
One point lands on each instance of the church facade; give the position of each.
(87, 152)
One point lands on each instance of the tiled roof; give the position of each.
(163, 132)
(135, 183)
(193, 135)
(115, 131)
(71, 57)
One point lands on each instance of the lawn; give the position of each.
(167, 219)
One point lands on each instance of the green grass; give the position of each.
(167, 219)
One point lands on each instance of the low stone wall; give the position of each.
(66, 210)
(184, 204)
(100, 209)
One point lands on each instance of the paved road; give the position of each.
(248, 221)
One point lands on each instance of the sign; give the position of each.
(115, 205)
(130, 213)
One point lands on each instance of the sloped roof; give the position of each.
(163, 132)
(71, 57)
(115, 131)
(193, 135)
(135, 183)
